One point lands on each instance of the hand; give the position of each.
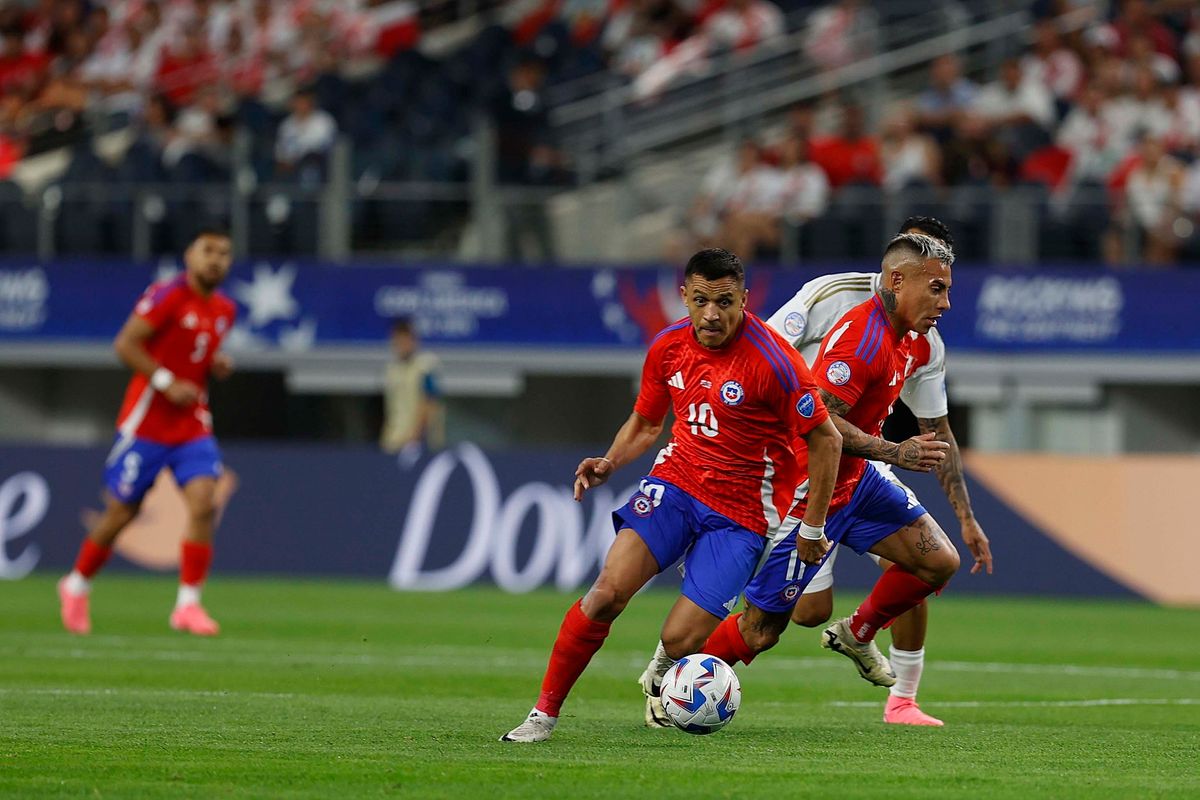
(183, 393)
(811, 551)
(977, 542)
(921, 453)
(591, 473)
(221, 367)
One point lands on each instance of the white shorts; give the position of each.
(824, 578)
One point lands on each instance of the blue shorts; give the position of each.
(877, 509)
(133, 464)
(719, 555)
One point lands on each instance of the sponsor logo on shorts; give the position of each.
(793, 323)
(641, 505)
(791, 592)
(806, 405)
(838, 373)
(732, 393)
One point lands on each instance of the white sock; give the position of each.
(660, 663)
(77, 584)
(188, 595)
(908, 665)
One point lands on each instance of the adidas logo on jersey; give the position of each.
(676, 380)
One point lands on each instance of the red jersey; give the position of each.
(188, 329)
(863, 362)
(738, 409)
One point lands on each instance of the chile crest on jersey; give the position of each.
(732, 393)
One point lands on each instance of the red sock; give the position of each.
(727, 643)
(91, 558)
(193, 563)
(578, 640)
(897, 591)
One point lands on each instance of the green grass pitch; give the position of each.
(341, 689)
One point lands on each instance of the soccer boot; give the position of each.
(74, 610)
(537, 727)
(905, 711)
(192, 618)
(870, 662)
(656, 715)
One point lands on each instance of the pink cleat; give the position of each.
(74, 607)
(905, 711)
(194, 619)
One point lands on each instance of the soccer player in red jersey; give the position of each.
(171, 343)
(860, 370)
(723, 486)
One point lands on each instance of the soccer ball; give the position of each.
(701, 694)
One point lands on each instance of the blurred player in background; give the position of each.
(171, 342)
(412, 407)
(804, 321)
(722, 486)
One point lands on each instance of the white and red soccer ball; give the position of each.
(700, 694)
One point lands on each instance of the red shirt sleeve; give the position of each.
(653, 398)
(802, 409)
(841, 371)
(158, 304)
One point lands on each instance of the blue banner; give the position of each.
(301, 306)
(455, 518)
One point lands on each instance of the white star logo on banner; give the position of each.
(269, 295)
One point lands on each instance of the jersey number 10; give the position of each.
(702, 419)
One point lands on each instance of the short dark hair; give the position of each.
(209, 230)
(713, 264)
(402, 325)
(930, 226)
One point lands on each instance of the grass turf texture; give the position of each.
(321, 689)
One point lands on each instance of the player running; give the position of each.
(861, 371)
(804, 321)
(171, 343)
(723, 485)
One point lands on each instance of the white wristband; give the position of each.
(162, 379)
(813, 533)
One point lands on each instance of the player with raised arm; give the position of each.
(721, 488)
(804, 321)
(868, 511)
(171, 342)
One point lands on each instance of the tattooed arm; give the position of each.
(954, 484)
(920, 453)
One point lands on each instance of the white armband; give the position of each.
(814, 533)
(162, 379)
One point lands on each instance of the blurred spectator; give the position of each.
(949, 96)
(850, 156)
(1052, 64)
(744, 25)
(1088, 135)
(411, 397)
(793, 193)
(1135, 19)
(305, 138)
(909, 157)
(21, 71)
(841, 33)
(705, 215)
(1153, 193)
(1019, 113)
(186, 67)
(526, 156)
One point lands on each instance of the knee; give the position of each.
(759, 638)
(811, 616)
(203, 512)
(679, 644)
(939, 571)
(604, 602)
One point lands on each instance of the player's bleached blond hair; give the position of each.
(919, 244)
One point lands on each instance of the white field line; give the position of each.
(1094, 703)
(486, 658)
(126, 691)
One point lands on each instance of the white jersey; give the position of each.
(812, 312)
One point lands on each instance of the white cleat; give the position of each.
(871, 663)
(537, 727)
(656, 715)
